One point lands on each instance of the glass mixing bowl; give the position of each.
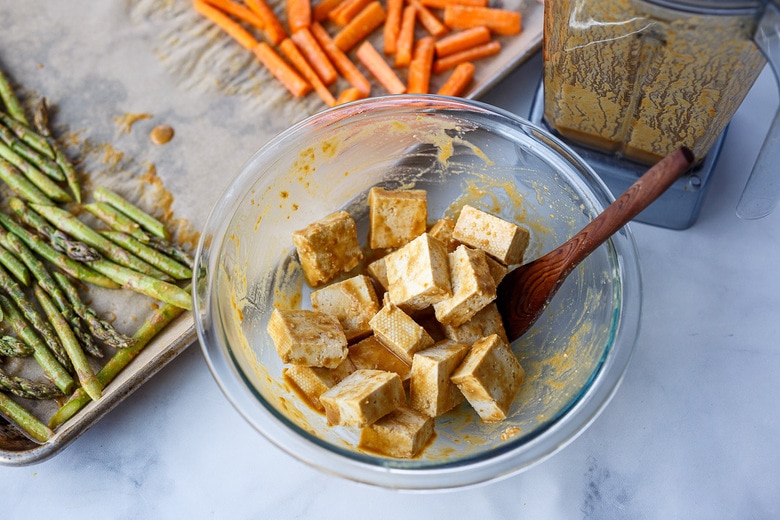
(460, 152)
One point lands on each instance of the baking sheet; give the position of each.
(112, 72)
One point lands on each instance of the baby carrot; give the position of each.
(343, 13)
(429, 20)
(475, 53)
(376, 64)
(499, 21)
(441, 4)
(395, 9)
(340, 60)
(462, 40)
(418, 81)
(371, 17)
(349, 94)
(322, 9)
(405, 46)
(225, 23)
(281, 70)
(298, 60)
(315, 55)
(239, 11)
(274, 29)
(298, 14)
(458, 81)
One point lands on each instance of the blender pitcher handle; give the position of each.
(762, 190)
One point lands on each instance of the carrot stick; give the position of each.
(395, 9)
(419, 78)
(281, 70)
(376, 64)
(462, 40)
(298, 14)
(340, 60)
(458, 81)
(499, 21)
(429, 20)
(316, 56)
(371, 17)
(349, 94)
(322, 9)
(441, 4)
(475, 53)
(298, 60)
(405, 46)
(239, 11)
(346, 11)
(225, 23)
(274, 29)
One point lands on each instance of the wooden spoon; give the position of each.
(525, 292)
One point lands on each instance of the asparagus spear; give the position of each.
(75, 249)
(53, 370)
(41, 122)
(29, 145)
(116, 220)
(67, 265)
(84, 372)
(15, 266)
(35, 176)
(172, 250)
(151, 255)
(20, 416)
(11, 102)
(23, 387)
(145, 220)
(20, 185)
(68, 223)
(151, 327)
(135, 281)
(12, 347)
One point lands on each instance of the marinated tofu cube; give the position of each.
(399, 332)
(418, 274)
(473, 287)
(312, 382)
(307, 337)
(431, 390)
(328, 247)
(352, 301)
(484, 323)
(497, 270)
(371, 354)
(503, 240)
(442, 231)
(396, 216)
(378, 271)
(402, 433)
(363, 397)
(489, 378)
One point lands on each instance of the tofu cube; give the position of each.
(396, 216)
(352, 301)
(497, 270)
(306, 337)
(489, 378)
(363, 397)
(397, 331)
(378, 271)
(312, 382)
(442, 230)
(371, 354)
(473, 287)
(503, 240)
(402, 433)
(418, 274)
(328, 247)
(484, 323)
(431, 391)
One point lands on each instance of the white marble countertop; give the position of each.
(692, 432)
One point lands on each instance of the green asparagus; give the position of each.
(166, 264)
(15, 266)
(9, 99)
(35, 176)
(23, 387)
(29, 145)
(13, 347)
(41, 122)
(116, 220)
(135, 281)
(145, 220)
(20, 185)
(30, 424)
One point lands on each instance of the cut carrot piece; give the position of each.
(281, 70)
(429, 20)
(475, 53)
(376, 64)
(298, 14)
(371, 17)
(274, 29)
(441, 4)
(405, 46)
(225, 23)
(392, 28)
(316, 56)
(346, 11)
(458, 81)
(239, 11)
(419, 78)
(462, 40)
(322, 9)
(349, 94)
(341, 61)
(499, 21)
(298, 60)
